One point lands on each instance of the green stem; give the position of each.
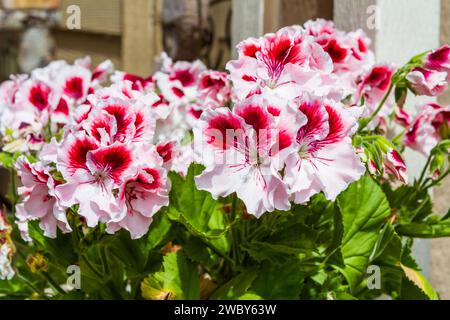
(234, 237)
(90, 266)
(220, 254)
(233, 207)
(54, 284)
(256, 232)
(424, 171)
(434, 183)
(423, 186)
(373, 116)
(31, 285)
(104, 259)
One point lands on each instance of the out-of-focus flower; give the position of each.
(37, 263)
(429, 127)
(34, 109)
(214, 89)
(426, 82)
(373, 88)
(395, 166)
(439, 60)
(6, 270)
(402, 117)
(39, 201)
(6, 248)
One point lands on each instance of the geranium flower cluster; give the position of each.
(271, 151)
(292, 135)
(185, 90)
(299, 95)
(276, 129)
(33, 108)
(105, 164)
(431, 123)
(99, 152)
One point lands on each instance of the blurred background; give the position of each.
(133, 33)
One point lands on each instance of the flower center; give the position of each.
(304, 152)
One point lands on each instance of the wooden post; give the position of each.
(252, 18)
(300, 11)
(141, 40)
(97, 17)
(400, 29)
(273, 15)
(248, 20)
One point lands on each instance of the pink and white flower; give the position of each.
(143, 193)
(39, 200)
(439, 60)
(214, 90)
(395, 166)
(324, 159)
(428, 129)
(402, 117)
(6, 269)
(349, 52)
(248, 149)
(426, 82)
(283, 63)
(101, 72)
(91, 173)
(138, 83)
(74, 83)
(373, 88)
(186, 73)
(8, 90)
(118, 120)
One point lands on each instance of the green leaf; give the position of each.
(293, 240)
(6, 160)
(250, 296)
(330, 228)
(196, 207)
(412, 204)
(197, 210)
(423, 290)
(343, 296)
(400, 275)
(236, 287)
(60, 249)
(388, 256)
(425, 230)
(446, 216)
(280, 281)
(196, 250)
(14, 289)
(101, 277)
(159, 229)
(133, 254)
(389, 246)
(178, 280)
(364, 209)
